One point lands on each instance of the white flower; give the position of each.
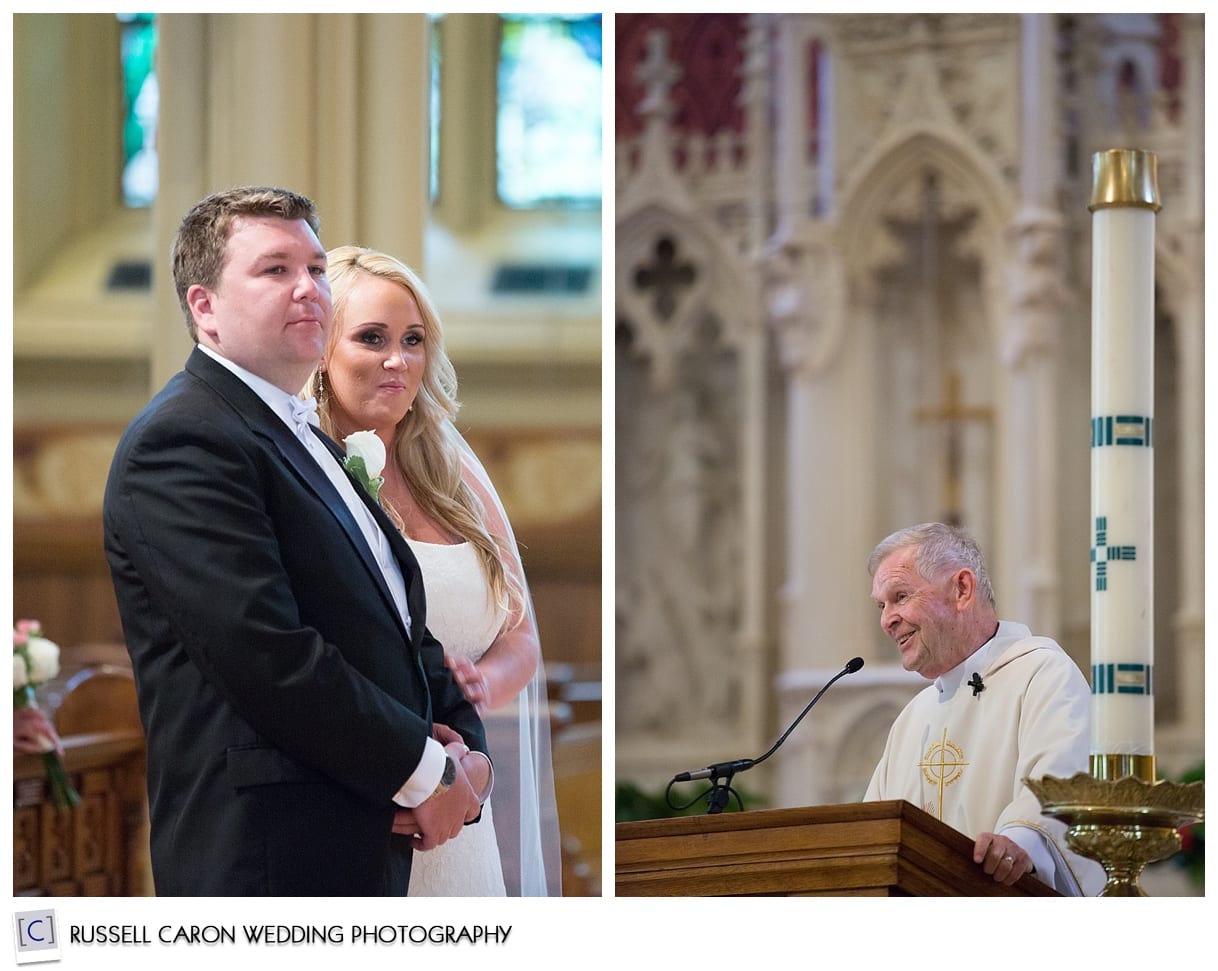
(369, 447)
(19, 674)
(44, 659)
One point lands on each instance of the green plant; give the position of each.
(1192, 853)
(633, 803)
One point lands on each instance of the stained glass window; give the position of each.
(140, 104)
(549, 119)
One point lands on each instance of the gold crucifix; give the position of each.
(954, 412)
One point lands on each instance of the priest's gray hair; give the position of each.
(940, 549)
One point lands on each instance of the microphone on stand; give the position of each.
(718, 769)
(728, 769)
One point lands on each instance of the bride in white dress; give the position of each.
(385, 370)
(469, 865)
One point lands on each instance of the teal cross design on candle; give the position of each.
(1121, 679)
(1102, 554)
(1122, 430)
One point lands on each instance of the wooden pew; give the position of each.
(100, 847)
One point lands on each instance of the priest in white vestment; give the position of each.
(1003, 706)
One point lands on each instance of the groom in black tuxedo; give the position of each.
(290, 693)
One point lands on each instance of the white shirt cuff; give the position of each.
(426, 776)
(1033, 843)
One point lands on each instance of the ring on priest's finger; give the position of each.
(1009, 859)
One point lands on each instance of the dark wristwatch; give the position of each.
(447, 778)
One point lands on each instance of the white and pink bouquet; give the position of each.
(36, 661)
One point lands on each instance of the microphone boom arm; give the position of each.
(719, 791)
(851, 666)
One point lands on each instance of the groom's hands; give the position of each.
(440, 818)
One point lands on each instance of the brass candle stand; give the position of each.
(1123, 824)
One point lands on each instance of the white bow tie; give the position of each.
(304, 413)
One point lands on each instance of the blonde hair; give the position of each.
(426, 446)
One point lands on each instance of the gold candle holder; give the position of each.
(1123, 825)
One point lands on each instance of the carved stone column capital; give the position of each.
(803, 295)
(1036, 288)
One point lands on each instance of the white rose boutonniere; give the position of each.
(366, 460)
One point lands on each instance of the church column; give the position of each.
(182, 78)
(827, 438)
(827, 506)
(756, 98)
(1190, 334)
(826, 615)
(372, 184)
(1189, 619)
(752, 576)
(1030, 346)
(468, 67)
(791, 99)
(754, 476)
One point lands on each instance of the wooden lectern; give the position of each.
(884, 849)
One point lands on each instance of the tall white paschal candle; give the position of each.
(1124, 202)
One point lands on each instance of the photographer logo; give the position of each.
(36, 936)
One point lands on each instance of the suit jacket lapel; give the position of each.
(411, 575)
(415, 598)
(263, 422)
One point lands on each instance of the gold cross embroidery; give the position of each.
(941, 769)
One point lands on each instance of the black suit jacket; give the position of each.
(283, 700)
